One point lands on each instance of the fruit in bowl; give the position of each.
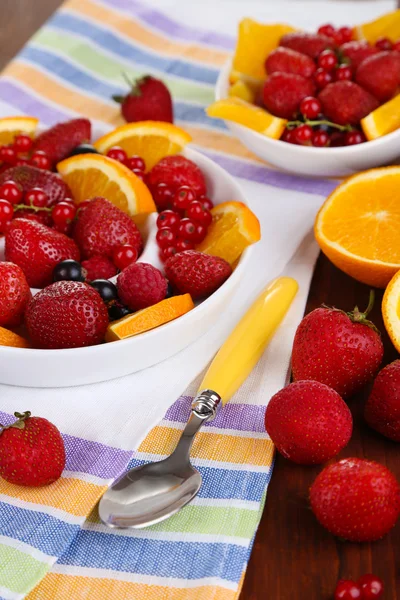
(124, 238)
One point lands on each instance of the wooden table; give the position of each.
(293, 557)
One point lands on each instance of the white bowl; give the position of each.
(306, 160)
(78, 366)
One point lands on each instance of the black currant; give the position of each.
(83, 149)
(106, 289)
(117, 311)
(68, 270)
(170, 291)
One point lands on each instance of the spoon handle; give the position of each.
(240, 352)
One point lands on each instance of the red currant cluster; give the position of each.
(339, 36)
(383, 43)
(19, 153)
(185, 220)
(135, 163)
(369, 586)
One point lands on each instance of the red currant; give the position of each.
(195, 211)
(182, 245)
(396, 46)
(22, 143)
(206, 218)
(206, 202)
(165, 237)
(347, 590)
(11, 191)
(63, 213)
(322, 78)
(320, 139)
(123, 256)
(8, 155)
(354, 137)
(201, 232)
(303, 134)
(167, 252)
(310, 107)
(138, 173)
(187, 230)
(135, 162)
(327, 60)
(36, 197)
(168, 218)
(6, 211)
(289, 136)
(20, 162)
(383, 43)
(118, 154)
(327, 30)
(163, 196)
(40, 160)
(338, 139)
(82, 205)
(344, 73)
(64, 228)
(183, 197)
(371, 587)
(345, 33)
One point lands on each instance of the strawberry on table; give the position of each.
(346, 102)
(37, 249)
(148, 100)
(286, 60)
(283, 92)
(32, 451)
(174, 172)
(342, 350)
(59, 141)
(30, 177)
(380, 75)
(15, 294)
(311, 44)
(382, 410)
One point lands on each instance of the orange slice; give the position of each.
(391, 310)
(12, 126)
(255, 41)
(91, 175)
(383, 120)
(233, 228)
(240, 89)
(149, 318)
(152, 140)
(9, 338)
(357, 227)
(249, 115)
(388, 25)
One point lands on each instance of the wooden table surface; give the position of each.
(293, 557)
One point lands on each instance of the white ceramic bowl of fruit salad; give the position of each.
(307, 159)
(77, 366)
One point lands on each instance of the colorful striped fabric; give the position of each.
(52, 544)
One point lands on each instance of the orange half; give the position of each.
(91, 175)
(149, 318)
(12, 126)
(391, 310)
(233, 228)
(9, 338)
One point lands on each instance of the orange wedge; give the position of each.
(383, 120)
(240, 89)
(391, 310)
(152, 140)
(249, 115)
(233, 228)
(9, 338)
(12, 126)
(388, 25)
(357, 227)
(149, 318)
(255, 41)
(91, 175)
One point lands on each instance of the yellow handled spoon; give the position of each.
(153, 492)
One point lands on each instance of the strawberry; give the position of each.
(286, 60)
(308, 422)
(311, 44)
(197, 274)
(148, 100)
(101, 226)
(345, 102)
(32, 451)
(141, 285)
(14, 294)
(66, 314)
(99, 267)
(382, 410)
(357, 51)
(37, 249)
(380, 75)
(283, 92)
(342, 350)
(176, 171)
(31, 177)
(58, 141)
(356, 499)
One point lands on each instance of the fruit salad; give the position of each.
(107, 240)
(328, 88)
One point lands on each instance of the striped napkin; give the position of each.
(52, 544)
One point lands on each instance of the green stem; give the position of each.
(322, 122)
(31, 207)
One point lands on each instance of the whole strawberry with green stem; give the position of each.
(342, 350)
(147, 100)
(32, 451)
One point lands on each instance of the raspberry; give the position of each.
(141, 285)
(99, 267)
